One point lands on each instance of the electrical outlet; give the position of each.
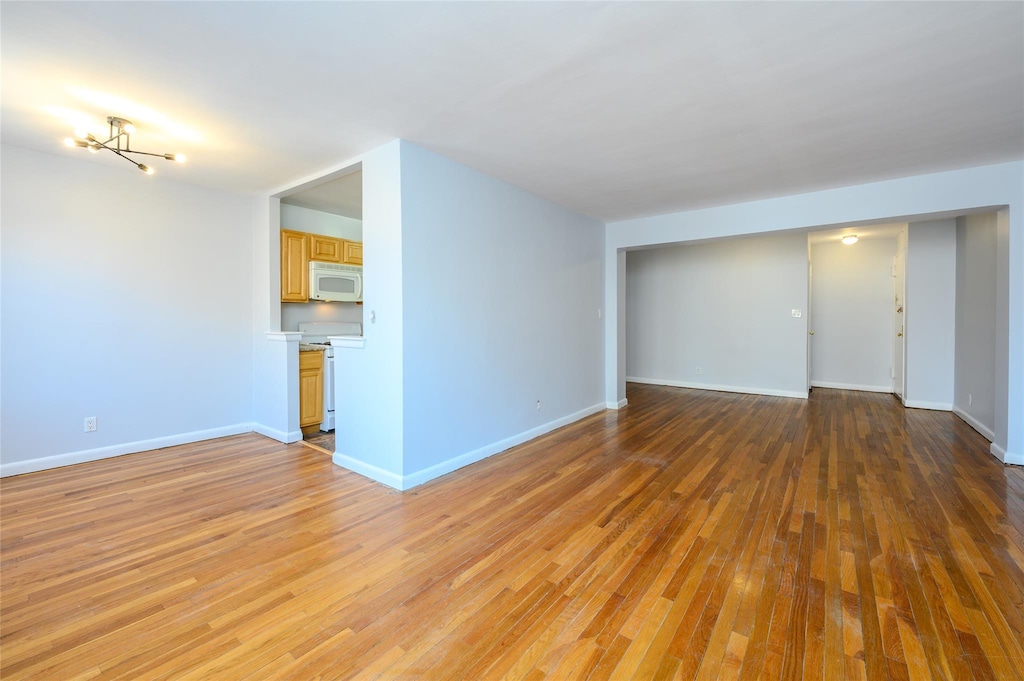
(797, 313)
(697, 371)
(538, 405)
(90, 424)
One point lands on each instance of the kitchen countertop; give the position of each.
(309, 347)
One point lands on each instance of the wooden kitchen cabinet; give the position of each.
(298, 248)
(326, 248)
(311, 388)
(294, 266)
(353, 253)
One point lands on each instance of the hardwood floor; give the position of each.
(325, 441)
(692, 535)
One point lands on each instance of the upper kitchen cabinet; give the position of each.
(353, 253)
(332, 249)
(326, 248)
(294, 266)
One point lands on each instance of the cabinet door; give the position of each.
(353, 253)
(311, 388)
(325, 248)
(294, 267)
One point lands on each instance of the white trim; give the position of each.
(800, 394)
(437, 470)
(393, 480)
(347, 341)
(279, 435)
(997, 451)
(852, 386)
(921, 404)
(616, 405)
(1006, 457)
(286, 336)
(86, 455)
(984, 430)
(404, 482)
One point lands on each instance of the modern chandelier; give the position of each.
(119, 127)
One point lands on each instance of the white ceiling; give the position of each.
(343, 196)
(615, 110)
(887, 231)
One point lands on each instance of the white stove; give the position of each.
(317, 333)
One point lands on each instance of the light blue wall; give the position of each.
(303, 219)
(124, 299)
(500, 296)
(931, 314)
(723, 307)
(974, 374)
(368, 408)
(940, 195)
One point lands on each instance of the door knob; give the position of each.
(811, 332)
(899, 335)
(899, 309)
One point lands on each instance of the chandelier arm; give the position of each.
(147, 153)
(113, 143)
(118, 152)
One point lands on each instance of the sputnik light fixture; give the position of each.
(119, 128)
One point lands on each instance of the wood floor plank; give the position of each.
(690, 535)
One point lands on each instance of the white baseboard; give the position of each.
(800, 394)
(921, 404)
(1006, 457)
(852, 386)
(615, 405)
(393, 480)
(404, 482)
(984, 430)
(85, 455)
(437, 470)
(279, 435)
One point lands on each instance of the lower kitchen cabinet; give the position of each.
(311, 388)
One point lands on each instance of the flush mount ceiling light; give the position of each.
(119, 128)
(850, 239)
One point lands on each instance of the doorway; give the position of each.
(850, 303)
(899, 348)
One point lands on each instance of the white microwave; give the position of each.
(337, 283)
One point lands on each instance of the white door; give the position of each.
(810, 331)
(899, 315)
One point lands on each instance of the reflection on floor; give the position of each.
(322, 440)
